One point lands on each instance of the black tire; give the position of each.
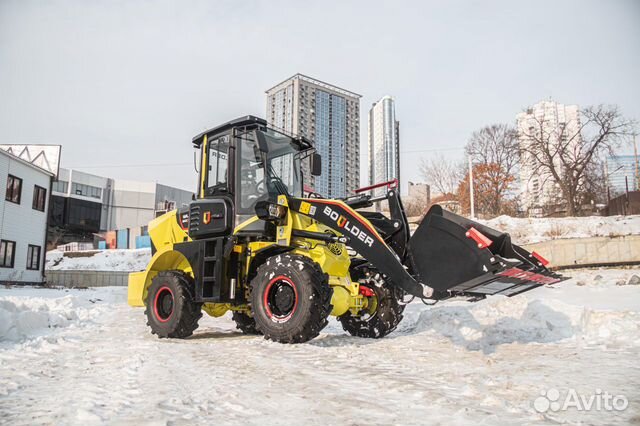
(380, 321)
(290, 298)
(170, 309)
(245, 323)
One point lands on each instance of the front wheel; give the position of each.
(290, 298)
(382, 315)
(171, 311)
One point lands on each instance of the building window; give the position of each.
(86, 190)
(33, 257)
(14, 189)
(60, 186)
(7, 253)
(39, 198)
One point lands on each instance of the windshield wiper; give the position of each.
(277, 182)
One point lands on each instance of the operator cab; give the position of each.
(243, 162)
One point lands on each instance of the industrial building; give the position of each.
(24, 203)
(330, 117)
(85, 205)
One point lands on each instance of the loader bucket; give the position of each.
(454, 255)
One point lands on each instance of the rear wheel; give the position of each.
(170, 310)
(245, 323)
(382, 315)
(290, 298)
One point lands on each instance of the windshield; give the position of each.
(266, 175)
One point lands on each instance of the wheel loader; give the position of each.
(282, 260)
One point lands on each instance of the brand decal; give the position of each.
(349, 228)
(206, 218)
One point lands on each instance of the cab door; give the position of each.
(211, 215)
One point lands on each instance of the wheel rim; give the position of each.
(163, 304)
(280, 299)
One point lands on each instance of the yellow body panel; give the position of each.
(164, 232)
(332, 258)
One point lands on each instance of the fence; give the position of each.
(87, 278)
(594, 251)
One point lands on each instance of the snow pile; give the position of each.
(26, 317)
(533, 230)
(104, 260)
(501, 320)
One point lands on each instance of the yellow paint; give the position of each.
(165, 259)
(245, 224)
(340, 300)
(305, 207)
(285, 226)
(204, 172)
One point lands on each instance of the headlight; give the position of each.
(266, 210)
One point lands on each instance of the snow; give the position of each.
(85, 357)
(103, 260)
(533, 230)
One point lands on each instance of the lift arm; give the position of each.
(361, 237)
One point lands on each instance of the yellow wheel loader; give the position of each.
(281, 262)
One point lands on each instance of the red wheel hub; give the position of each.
(280, 299)
(163, 304)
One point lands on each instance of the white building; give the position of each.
(384, 143)
(330, 117)
(554, 123)
(24, 205)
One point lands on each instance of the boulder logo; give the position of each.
(349, 228)
(206, 218)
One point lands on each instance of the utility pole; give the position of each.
(635, 154)
(473, 209)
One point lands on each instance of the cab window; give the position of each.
(252, 175)
(218, 164)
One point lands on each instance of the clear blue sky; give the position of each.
(120, 83)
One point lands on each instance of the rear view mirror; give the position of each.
(316, 164)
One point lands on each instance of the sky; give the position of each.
(124, 85)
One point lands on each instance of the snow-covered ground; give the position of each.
(532, 230)
(84, 357)
(99, 260)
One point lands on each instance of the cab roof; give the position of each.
(246, 121)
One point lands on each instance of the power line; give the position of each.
(431, 150)
(113, 166)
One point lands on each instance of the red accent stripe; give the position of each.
(540, 259)
(155, 304)
(344, 206)
(393, 183)
(478, 237)
(527, 276)
(265, 298)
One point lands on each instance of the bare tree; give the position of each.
(566, 152)
(441, 174)
(496, 148)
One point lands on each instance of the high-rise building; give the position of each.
(330, 117)
(622, 174)
(554, 123)
(384, 142)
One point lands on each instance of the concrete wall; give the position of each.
(589, 251)
(87, 278)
